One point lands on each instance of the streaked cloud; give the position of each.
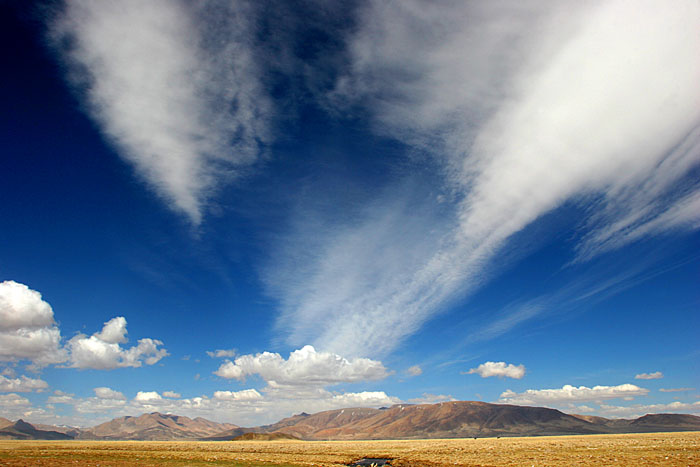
(638, 410)
(245, 394)
(523, 108)
(304, 367)
(222, 353)
(654, 375)
(173, 86)
(571, 394)
(428, 398)
(499, 369)
(676, 389)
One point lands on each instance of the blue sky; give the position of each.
(244, 211)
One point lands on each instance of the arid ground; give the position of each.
(658, 449)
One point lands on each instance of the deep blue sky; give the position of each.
(495, 203)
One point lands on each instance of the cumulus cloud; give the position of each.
(244, 395)
(571, 394)
(27, 327)
(305, 366)
(22, 384)
(102, 350)
(654, 375)
(172, 394)
(222, 353)
(108, 393)
(147, 396)
(500, 369)
(172, 85)
(507, 96)
(9, 401)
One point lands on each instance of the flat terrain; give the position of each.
(656, 449)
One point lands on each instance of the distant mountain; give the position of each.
(403, 421)
(155, 427)
(275, 436)
(444, 420)
(23, 430)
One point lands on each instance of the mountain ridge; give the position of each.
(456, 419)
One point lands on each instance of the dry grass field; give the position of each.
(660, 449)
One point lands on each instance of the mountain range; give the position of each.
(458, 419)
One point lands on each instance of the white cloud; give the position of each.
(22, 384)
(654, 375)
(431, 399)
(108, 393)
(526, 106)
(305, 366)
(27, 327)
(102, 350)
(172, 394)
(414, 370)
(500, 369)
(222, 353)
(638, 410)
(185, 115)
(147, 396)
(244, 395)
(676, 389)
(571, 394)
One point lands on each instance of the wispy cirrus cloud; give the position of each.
(173, 86)
(523, 107)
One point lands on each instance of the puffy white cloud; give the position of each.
(414, 370)
(108, 393)
(500, 369)
(103, 351)
(186, 116)
(147, 396)
(27, 327)
(571, 394)
(305, 366)
(172, 394)
(13, 400)
(222, 353)
(22, 384)
(60, 397)
(654, 375)
(508, 98)
(244, 395)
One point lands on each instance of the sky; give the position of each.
(245, 210)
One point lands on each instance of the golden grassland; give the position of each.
(656, 449)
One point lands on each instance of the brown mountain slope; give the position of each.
(276, 436)
(5, 422)
(155, 426)
(444, 420)
(23, 430)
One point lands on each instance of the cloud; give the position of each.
(222, 353)
(500, 369)
(172, 394)
(172, 85)
(524, 107)
(102, 350)
(22, 384)
(108, 393)
(27, 327)
(638, 410)
(147, 396)
(676, 389)
(414, 370)
(431, 399)
(571, 394)
(654, 375)
(246, 394)
(305, 366)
